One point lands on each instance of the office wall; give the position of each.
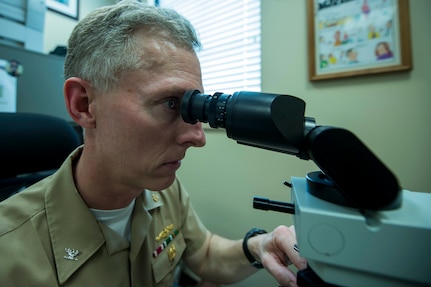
(58, 27)
(390, 113)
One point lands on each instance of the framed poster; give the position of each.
(357, 37)
(68, 8)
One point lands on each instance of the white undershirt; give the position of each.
(118, 220)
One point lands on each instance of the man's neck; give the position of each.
(96, 188)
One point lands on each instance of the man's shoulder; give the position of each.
(21, 207)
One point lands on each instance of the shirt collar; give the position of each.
(72, 226)
(152, 199)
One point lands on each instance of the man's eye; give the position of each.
(172, 104)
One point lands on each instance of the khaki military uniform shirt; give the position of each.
(49, 237)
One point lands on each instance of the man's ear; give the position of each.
(78, 95)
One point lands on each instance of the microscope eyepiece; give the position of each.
(251, 118)
(205, 108)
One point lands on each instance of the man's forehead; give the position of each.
(157, 52)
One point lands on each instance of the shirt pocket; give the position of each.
(165, 262)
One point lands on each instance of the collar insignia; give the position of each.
(71, 254)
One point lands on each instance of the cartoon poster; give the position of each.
(355, 34)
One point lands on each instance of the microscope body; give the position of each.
(345, 246)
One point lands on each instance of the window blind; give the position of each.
(230, 34)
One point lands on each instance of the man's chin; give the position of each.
(162, 183)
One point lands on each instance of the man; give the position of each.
(114, 214)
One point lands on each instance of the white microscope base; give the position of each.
(347, 247)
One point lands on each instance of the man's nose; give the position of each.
(193, 135)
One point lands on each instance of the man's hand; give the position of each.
(277, 251)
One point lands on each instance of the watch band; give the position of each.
(250, 257)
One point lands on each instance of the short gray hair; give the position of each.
(102, 47)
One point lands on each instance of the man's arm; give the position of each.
(223, 261)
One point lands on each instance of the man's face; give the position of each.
(140, 136)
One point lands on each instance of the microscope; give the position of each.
(354, 224)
